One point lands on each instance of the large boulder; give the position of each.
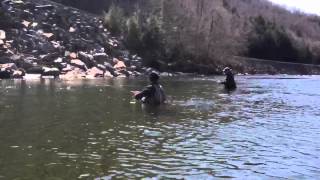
(26, 62)
(18, 74)
(79, 44)
(100, 58)
(8, 67)
(67, 68)
(88, 59)
(124, 72)
(110, 68)
(47, 71)
(101, 67)
(72, 55)
(76, 73)
(5, 74)
(35, 70)
(78, 63)
(49, 58)
(6, 70)
(107, 74)
(60, 63)
(95, 72)
(45, 47)
(119, 65)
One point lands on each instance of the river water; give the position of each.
(92, 129)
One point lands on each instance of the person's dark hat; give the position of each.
(154, 77)
(226, 69)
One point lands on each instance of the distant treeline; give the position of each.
(192, 34)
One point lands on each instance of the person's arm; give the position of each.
(147, 92)
(225, 81)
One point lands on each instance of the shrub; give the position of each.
(269, 41)
(152, 41)
(114, 20)
(133, 37)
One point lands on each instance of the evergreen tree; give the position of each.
(114, 20)
(133, 39)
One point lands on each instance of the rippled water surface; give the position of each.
(268, 129)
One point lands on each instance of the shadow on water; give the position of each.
(266, 129)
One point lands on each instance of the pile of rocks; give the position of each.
(41, 37)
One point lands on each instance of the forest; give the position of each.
(182, 33)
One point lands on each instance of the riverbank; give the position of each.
(253, 66)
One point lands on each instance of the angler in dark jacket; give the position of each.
(152, 94)
(230, 83)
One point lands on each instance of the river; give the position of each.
(92, 129)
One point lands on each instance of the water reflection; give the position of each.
(267, 129)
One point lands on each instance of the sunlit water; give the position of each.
(268, 129)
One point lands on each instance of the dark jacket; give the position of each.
(230, 83)
(152, 94)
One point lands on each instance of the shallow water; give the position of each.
(268, 129)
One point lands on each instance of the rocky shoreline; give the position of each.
(40, 37)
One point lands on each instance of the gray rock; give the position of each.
(49, 58)
(125, 72)
(4, 60)
(5, 74)
(150, 70)
(60, 63)
(166, 74)
(100, 58)
(27, 62)
(6, 5)
(35, 70)
(110, 68)
(101, 67)
(29, 5)
(6, 70)
(136, 73)
(45, 47)
(88, 59)
(79, 64)
(45, 7)
(132, 68)
(8, 67)
(18, 74)
(46, 71)
(58, 60)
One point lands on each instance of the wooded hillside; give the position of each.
(179, 33)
